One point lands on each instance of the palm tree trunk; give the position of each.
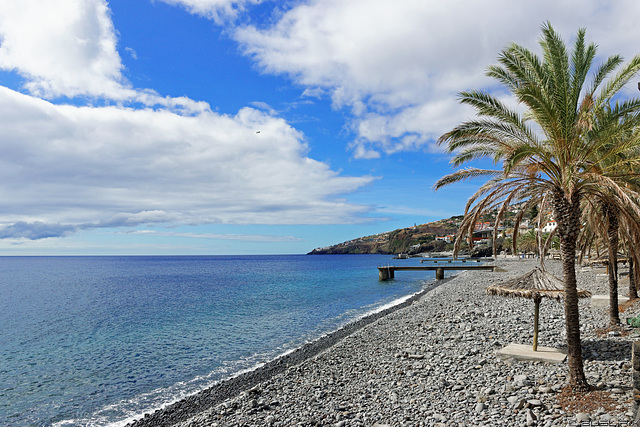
(612, 239)
(633, 288)
(567, 213)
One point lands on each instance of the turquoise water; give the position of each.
(99, 340)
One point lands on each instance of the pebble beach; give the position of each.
(432, 362)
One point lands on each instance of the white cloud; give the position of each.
(398, 65)
(395, 66)
(131, 52)
(63, 47)
(67, 48)
(66, 168)
(217, 10)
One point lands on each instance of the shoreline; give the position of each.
(185, 408)
(431, 362)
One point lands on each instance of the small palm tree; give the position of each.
(529, 241)
(549, 150)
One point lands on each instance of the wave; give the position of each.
(247, 378)
(124, 412)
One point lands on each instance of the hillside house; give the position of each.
(550, 226)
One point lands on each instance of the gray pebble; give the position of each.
(534, 402)
(531, 418)
(582, 417)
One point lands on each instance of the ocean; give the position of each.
(94, 341)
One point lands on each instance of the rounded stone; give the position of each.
(582, 417)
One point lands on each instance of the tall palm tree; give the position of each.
(607, 225)
(549, 148)
(630, 238)
(616, 156)
(611, 215)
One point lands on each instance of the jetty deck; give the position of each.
(388, 271)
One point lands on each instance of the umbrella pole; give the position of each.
(536, 316)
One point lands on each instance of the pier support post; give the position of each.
(439, 273)
(384, 273)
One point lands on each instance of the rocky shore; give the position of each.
(432, 362)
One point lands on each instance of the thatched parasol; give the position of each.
(535, 285)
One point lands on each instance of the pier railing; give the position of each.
(387, 272)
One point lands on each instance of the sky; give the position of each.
(225, 127)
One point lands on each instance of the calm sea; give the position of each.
(99, 340)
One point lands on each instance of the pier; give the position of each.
(388, 272)
(457, 261)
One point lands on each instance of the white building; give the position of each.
(448, 238)
(549, 226)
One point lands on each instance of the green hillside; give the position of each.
(410, 240)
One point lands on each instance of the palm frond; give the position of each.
(463, 175)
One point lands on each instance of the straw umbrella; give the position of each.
(535, 285)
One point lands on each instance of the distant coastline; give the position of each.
(424, 238)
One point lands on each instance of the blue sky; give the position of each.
(246, 126)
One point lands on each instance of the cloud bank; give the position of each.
(113, 166)
(122, 156)
(397, 66)
(140, 158)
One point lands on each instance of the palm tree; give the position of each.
(529, 241)
(601, 228)
(630, 237)
(549, 149)
(618, 156)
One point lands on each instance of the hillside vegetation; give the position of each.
(410, 240)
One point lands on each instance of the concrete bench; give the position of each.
(603, 300)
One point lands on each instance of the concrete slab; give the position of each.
(603, 300)
(525, 352)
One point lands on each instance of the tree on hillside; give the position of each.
(547, 145)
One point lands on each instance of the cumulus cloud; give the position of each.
(87, 167)
(67, 168)
(67, 48)
(397, 66)
(394, 68)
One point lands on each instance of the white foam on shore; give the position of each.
(180, 390)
